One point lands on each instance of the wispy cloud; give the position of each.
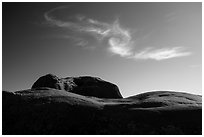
(119, 39)
(77, 40)
(161, 54)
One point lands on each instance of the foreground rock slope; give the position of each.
(59, 112)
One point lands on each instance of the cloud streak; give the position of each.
(161, 54)
(119, 39)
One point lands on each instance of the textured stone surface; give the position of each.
(86, 85)
(51, 111)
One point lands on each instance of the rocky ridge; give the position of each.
(55, 106)
(85, 85)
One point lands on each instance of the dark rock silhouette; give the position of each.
(58, 112)
(86, 85)
(48, 80)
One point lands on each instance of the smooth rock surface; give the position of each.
(58, 112)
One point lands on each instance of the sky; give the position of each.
(139, 47)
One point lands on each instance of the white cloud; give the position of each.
(119, 39)
(161, 54)
(119, 48)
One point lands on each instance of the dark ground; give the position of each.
(49, 111)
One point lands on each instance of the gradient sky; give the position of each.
(138, 46)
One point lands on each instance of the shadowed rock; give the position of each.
(86, 85)
(58, 112)
(48, 80)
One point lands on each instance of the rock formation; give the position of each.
(50, 108)
(86, 85)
